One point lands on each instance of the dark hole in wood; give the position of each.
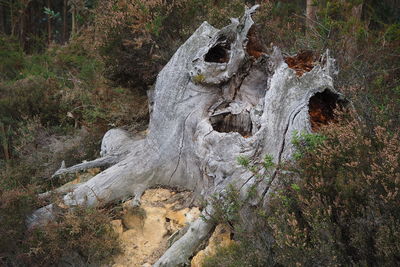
(322, 108)
(227, 123)
(218, 54)
(167, 219)
(231, 236)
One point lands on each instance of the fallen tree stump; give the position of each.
(213, 102)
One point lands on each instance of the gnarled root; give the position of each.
(102, 162)
(179, 253)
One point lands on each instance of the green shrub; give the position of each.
(344, 208)
(15, 205)
(393, 32)
(29, 97)
(11, 58)
(306, 142)
(243, 161)
(252, 241)
(226, 207)
(86, 231)
(236, 255)
(268, 162)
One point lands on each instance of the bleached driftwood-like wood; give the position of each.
(213, 102)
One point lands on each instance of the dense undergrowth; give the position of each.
(338, 205)
(341, 207)
(55, 106)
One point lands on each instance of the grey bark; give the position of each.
(180, 251)
(115, 146)
(212, 103)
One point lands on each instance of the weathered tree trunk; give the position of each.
(4, 136)
(73, 20)
(351, 42)
(2, 15)
(65, 21)
(49, 18)
(12, 17)
(311, 13)
(212, 103)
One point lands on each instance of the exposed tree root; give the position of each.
(263, 100)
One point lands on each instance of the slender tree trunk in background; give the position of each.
(65, 21)
(73, 27)
(31, 25)
(12, 18)
(311, 12)
(4, 142)
(2, 28)
(21, 22)
(49, 23)
(351, 44)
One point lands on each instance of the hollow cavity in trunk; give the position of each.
(227, 123)
(321, 108)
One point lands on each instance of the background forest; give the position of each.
(72, 69)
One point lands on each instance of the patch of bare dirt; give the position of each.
(145, 232)
(220, 238)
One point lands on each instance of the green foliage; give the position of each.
(41, 79)
(235, 255)
(63, 89)
(254, 167)
(39, 155)
(44, 99)
(252, 246)
(15, 205)
(295, 187)
(268, 162)
(86, 231)
(306, 142)
(243, 161)
(51, 13)
(393, 32)
(227, 206)
(11, 58)
(83, 230)
(30, 97)
(199, 78)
